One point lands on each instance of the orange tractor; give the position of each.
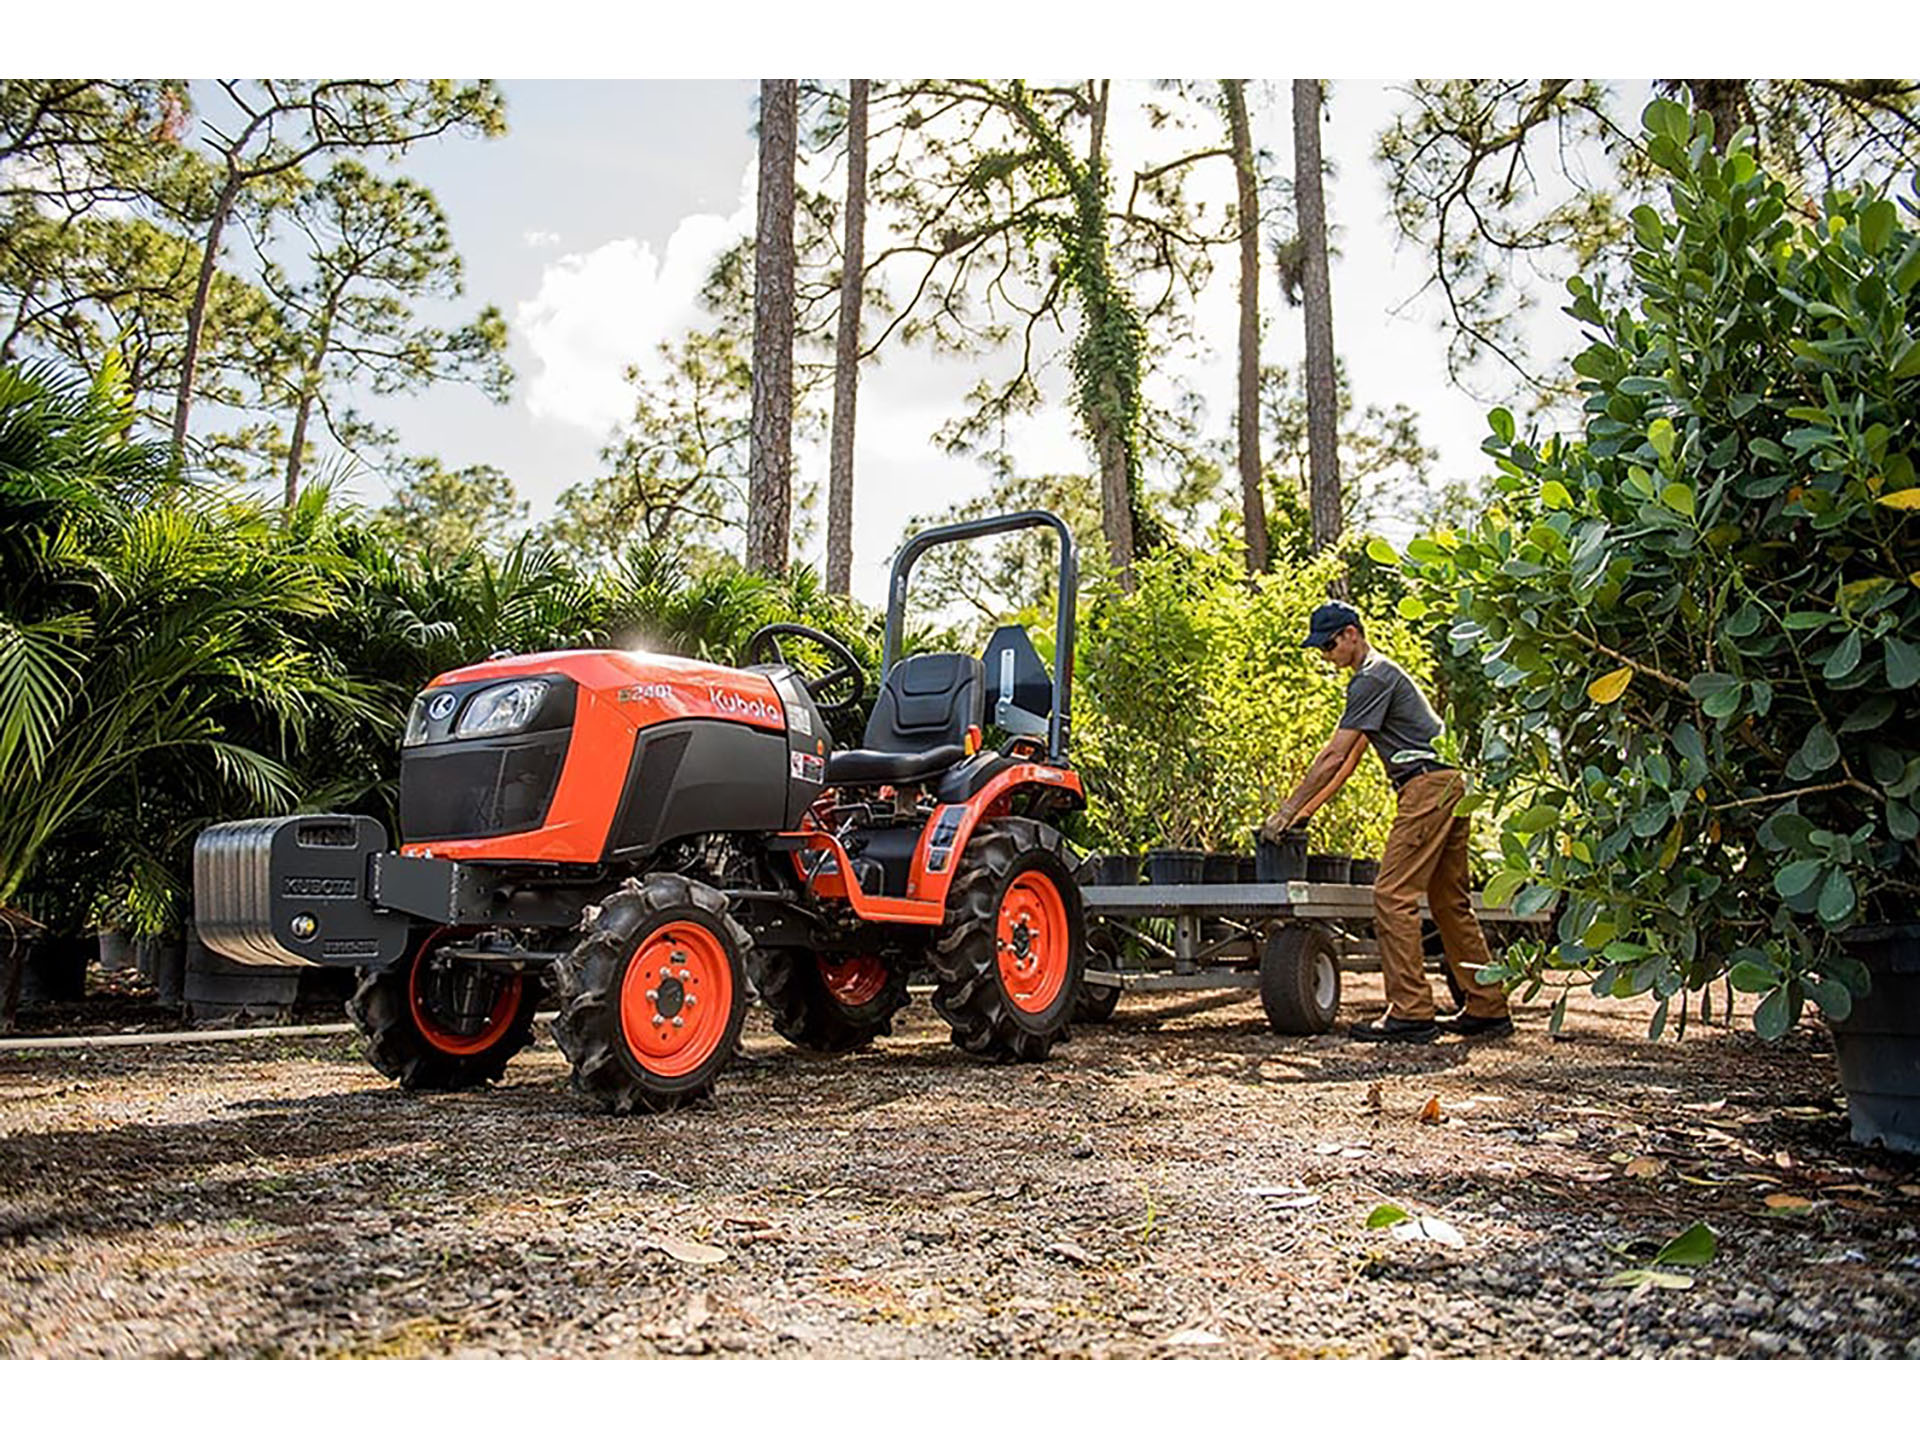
(642, 840)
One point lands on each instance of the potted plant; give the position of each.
(1697, 616)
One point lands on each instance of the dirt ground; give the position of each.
(1177, 1182)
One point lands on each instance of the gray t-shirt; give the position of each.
(1384, 703)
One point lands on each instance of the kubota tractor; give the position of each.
(634, 836)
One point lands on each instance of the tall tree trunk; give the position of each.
(1112, 446)
(846, 357)
(770, 446)
(1323, 450)
(1253, 503)
(299, 444)
(1725, 100)
(196, 317)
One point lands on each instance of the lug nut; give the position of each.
(653, 994)
(689, 1000)
(678, 1023)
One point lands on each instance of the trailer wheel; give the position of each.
(1008, 961)
(438, 1024)
(653, 996)
(1097, 1000)
(1300, 980)
(827, 1002)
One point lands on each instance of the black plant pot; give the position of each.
(1246, 870)
(1111, 870)
(1329, 869)
(1364, 872)
(1275, 862)
(1220, 869)
(1176, 867)
(1878, 1044)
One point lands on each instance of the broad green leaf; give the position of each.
(1694, 1247)
(1903, 663)
(1751, 977)
(1819, 751)
(1660, 436)
(1845, 658)
(1796, 878)
(1502, 887)
(1678, 497)
(1772, 1018)
(1836, 897)
(1611, 686)
(1876, 226)
(1411, 607)
(1556, 496)
(1539, 817)
(1500, 421)
(1381, 552)
(1833, 998)
(1384, 1215)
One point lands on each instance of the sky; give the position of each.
(594, 221)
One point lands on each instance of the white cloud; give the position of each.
(598, 313)
(540, 239)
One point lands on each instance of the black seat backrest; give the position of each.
(1019, 691)
(927, 701)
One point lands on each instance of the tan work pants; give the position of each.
(1427, 855)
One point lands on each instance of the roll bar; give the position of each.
(1059, 724)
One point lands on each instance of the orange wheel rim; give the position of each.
(676, 998)
(448, 1041)
(1033, 942)
(854, 980)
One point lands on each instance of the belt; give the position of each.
(1419, 768)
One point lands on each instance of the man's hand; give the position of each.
(1276, 827)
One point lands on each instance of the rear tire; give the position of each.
(830, 1003)
(655, 951)
(1096, 1001)
(1299, 980)
(411, 1031)
(1009, 959)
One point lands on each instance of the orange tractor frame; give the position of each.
(643, 841)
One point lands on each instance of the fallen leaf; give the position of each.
(1778, 1201)
(1560, 1137)
(1702, 1180)
(1067, 1250)
(1330, 1147)
(1852, 1190)
(1195, 1337)
(1709, 1106)
(1911, 1191)
(1430, 1112)
(1425, 1227)
(690, 1252)
(1619, 1157)
(1645, 1167)
(1353, 1152)
(1647, 1280)
(1384, 1215)
(697, 1311)
(1783, 1159)
(1593, 1177)
(968, 1197)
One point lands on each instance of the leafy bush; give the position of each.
(1699, 620)
(1196, 707)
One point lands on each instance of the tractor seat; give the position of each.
(919, 724)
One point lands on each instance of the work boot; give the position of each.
(1478, 1027)
(1392, 1027)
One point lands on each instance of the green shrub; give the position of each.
(1699, 620)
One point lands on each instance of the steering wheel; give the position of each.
(837, 690)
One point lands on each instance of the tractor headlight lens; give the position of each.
(416, 723)
(502, 710)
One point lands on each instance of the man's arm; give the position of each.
(1337, 760)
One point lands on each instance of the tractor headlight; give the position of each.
(502, 709)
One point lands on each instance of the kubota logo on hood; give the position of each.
(728, 703)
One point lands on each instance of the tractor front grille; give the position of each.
(468, 790)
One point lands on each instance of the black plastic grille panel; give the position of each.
(474, 789)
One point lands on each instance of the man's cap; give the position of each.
(1328, 621)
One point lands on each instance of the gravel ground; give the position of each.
(1177, 1182)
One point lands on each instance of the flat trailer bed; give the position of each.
(1288, 939)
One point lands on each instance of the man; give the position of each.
(1426, 850)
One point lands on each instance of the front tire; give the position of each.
(830, 1003)
(653, 996)
(1009, 959)
(1096, 1001)
(438, 1024)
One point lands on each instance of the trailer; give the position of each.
(1290, 940)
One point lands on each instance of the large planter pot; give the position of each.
(1110, 870)
(162, 964)
(1330, 869)
(219, 991)
(1275, 862)
(56, 970)
(1364, 872)
(1878, 1044)
(116, 950)
(1176, 867)
(1220, 869)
